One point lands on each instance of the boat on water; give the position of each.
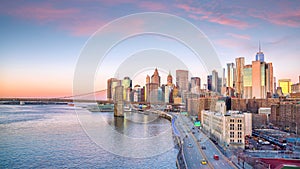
(127, 109)
(71, 104)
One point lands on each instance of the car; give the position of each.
(203, 162)
(203, 147)
(190, 145)
(216, 157)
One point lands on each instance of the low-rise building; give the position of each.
(228, 129)
(286, 116)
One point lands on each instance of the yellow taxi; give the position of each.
(203, 162)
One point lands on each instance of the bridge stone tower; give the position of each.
(119, 102)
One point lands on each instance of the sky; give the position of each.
(41, 41)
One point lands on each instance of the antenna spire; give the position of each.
(259, 46)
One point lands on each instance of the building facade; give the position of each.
(155, 78)
(230, 75)
(258, 80)
(286, 86)
(286, 116)
(195, 85)
(229, 129)
(214, 82)
(239, 85)
(182, 81)
(127, 84)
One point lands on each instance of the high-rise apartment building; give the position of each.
(239, 85)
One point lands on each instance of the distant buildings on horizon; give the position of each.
(240, 80)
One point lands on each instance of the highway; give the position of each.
(192, 147)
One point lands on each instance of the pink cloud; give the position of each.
(69, 19)
(238, 36)
(202, 14)
(153, 6)
(42, 13)
(286, 17)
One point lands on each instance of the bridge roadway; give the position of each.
(192, 148)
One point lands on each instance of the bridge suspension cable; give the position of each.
(83, 94)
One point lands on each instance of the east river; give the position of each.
(60, 136)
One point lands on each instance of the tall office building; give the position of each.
(247, 81)
(269, 78)
(155, 78)
(146, 89)
(152, 92)
(195, 85)
(182, 81)
(214, 81)
(239, 86)
(260, 55)
(169, 80)
(230, 75)
(262, 78)
(209, 82)
(126, 83)
(285, 85)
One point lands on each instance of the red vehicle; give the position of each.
(216, 157)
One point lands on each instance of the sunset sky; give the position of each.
(42, 40)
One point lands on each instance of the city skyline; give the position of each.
(41, 41)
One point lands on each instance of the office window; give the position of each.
(239, 126)
(239, 134)
(231, 134)
(231, 126)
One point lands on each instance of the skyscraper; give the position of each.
(146, 89)
(230, 75)
(126, 83)
(214, 81)
(209, 82)
(262, 78)
(155, 78)
(247, 81)
(169, 80)
(182, 80)
(260, 55)
(195, 85)
(239, 86)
